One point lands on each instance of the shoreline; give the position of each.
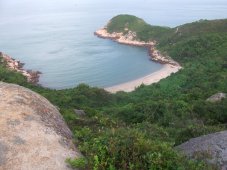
(170, 66)
(16, 65)
(149, 79)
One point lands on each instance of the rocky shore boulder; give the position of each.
(33, 134)
(212, 148)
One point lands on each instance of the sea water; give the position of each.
(56, 37)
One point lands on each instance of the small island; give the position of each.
(131, 30)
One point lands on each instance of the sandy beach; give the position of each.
(170, 66)
(154, 77)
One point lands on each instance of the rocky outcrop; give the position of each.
(213, 147)
(33, 134)
(79, 112)
(217, 97)
(12, 64)
(129, 38)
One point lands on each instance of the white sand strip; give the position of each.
(154, 77)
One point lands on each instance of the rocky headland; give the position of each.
(16, 65)
(130, 39)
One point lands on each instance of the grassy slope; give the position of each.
(138, 130)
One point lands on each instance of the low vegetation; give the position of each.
(139, 130)
(144, 31)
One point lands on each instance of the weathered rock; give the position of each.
(33, 134)
(217, 97)
(79, 112)
(213, 147)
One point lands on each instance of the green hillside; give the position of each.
(144, 31)
(190, 30)
(138, 130)
(202, 27)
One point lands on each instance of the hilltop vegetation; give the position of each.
(145, 32)
(138, 130)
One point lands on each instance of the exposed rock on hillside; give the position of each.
(33, 134)
(216, 97)
(79, 112)
(212, 146)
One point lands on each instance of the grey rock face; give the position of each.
(33, 134)
(79, 112)
(217, 97)
(212, 146)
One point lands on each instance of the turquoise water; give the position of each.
(56, 37)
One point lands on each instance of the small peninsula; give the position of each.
(130, 30)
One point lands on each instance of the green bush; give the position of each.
(77, 163)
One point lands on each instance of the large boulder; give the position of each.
(212, 147)
(33, 134)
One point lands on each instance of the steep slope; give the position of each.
(33, 133)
